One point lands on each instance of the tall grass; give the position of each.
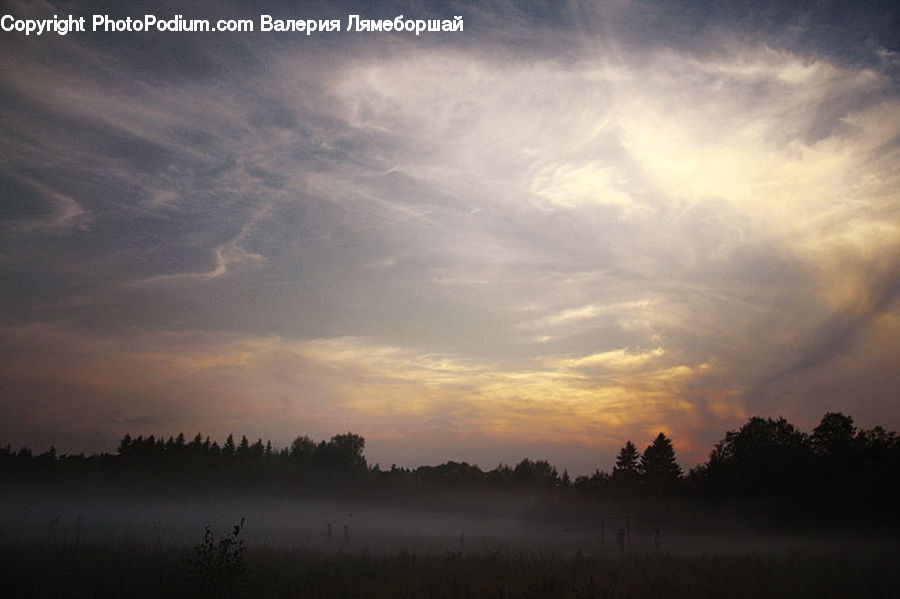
(218, 568)
(134, 569)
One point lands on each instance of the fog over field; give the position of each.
(470, 522)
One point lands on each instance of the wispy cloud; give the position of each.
(321, 384)
(570, 224)
(616, 360)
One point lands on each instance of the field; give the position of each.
(135, 569)
(100, 547)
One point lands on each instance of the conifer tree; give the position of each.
(229, 449)
(626, 468)
(658, 465)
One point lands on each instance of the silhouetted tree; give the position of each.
(764, 457)
(658, 466)
(257, 450)
(627, 463)
(877, 443)
(501, 475)
(595, 481)
(243, 450)
(342, 452)
(880, 463)
(228, 450)
(125, 445)
(537, 472)
(449, 473)
(49, 455)
(834, 436)
(302, 449)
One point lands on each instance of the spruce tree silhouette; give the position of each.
(626, 469)
(658, 467)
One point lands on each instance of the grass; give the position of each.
(134, 569)
(219, 568)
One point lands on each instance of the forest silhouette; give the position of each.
(832, 475)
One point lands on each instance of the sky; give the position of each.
(569, 225)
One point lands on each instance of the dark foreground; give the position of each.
(134, 569)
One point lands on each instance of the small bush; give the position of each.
(219, 569)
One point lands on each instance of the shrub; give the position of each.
(219, 569)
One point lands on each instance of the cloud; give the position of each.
(617, 359)
(218, 382)
(65, 213)
(568, 225)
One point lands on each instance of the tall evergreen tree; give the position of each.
(228, 450)
(627, 461)
(243, 450)
(658, 465)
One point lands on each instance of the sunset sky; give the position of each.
(569, 225)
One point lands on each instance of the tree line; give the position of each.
(767, 461)
(340, 453)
